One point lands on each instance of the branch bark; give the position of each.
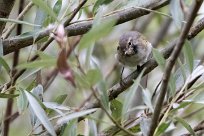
(14, 43)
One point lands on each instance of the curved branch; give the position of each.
(15, 43)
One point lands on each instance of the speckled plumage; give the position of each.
(133, 49)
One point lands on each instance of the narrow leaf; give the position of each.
(5, 65)
(70, 129)
(57, 7)
(188, 53)
(45, 7)
(74, 115)
(116, 109)
(186, 125)
(159, 58)
(93, 76)
(1, 51)
(17, 22)
(40, 113)
(93, 128)
(38, 64)
(161, 129)
(96, 33)
(3, 95)
(22, 102)
(130, 95)
(176, 13)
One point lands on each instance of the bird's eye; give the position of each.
(129, 43)
(118, 48)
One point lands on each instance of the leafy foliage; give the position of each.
(34, 79)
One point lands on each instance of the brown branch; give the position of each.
(80, 28)
(170, 64)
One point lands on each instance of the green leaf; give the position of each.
(70, 129)
(60, 99)
(1, 48)
(162, 128)
(159, 58)
(17, 22)
(81, 80)
(57, 7)
(22, 102)
(40, 113)
(38, 64)
(186, 125)
(116, 109)
(1, 51)
(130, 96)
(98, 31)
(176, 13)
(92, 128)
(74, 115)
(172, 86)
(93, 76)
(104, 94)
(5, 65)
(188, 55)
(44, 6)
(146, 95)
(31, 85)
(145, 125)
(39, 19)
(3, 95)
(44, 56)
(99, 3)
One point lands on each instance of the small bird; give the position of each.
(133, 50)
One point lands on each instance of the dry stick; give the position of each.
(170, 64)
(13, 43)
(13, 71)
(20, 16)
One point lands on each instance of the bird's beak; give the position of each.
(129, 52)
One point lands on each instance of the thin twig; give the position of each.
(170, 64)
(20, 16)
